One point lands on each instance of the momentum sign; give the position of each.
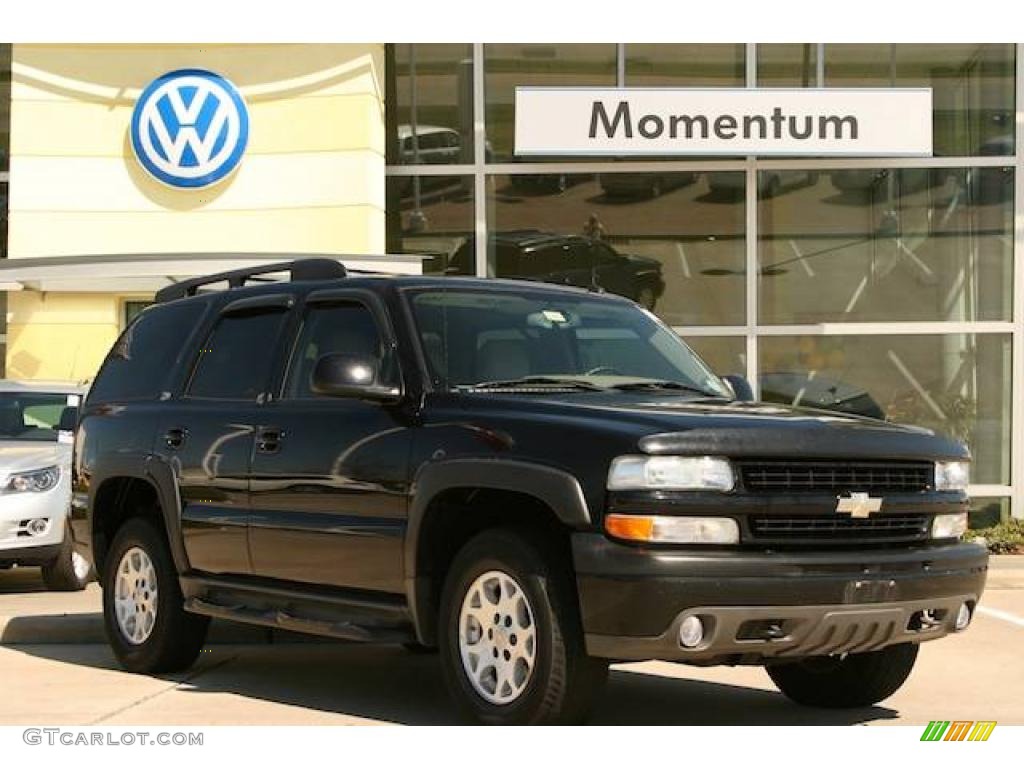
(726, 121)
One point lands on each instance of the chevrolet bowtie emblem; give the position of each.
(858, 504)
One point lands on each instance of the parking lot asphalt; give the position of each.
(247, 680)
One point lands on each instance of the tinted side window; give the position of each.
(140, 361)
(602, 254)
(348, 329)
(507, 261)
(544, 261)
(234, 363)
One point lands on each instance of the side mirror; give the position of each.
(68, 419)
(740, 387)
(339, 375)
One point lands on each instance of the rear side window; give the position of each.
(235, 361)
(140, 361)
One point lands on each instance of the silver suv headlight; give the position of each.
(952, 475)
(36, 480)
(671, 473)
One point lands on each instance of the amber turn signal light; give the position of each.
(630, 527)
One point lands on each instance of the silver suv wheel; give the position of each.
(497, 637)
(135, 597)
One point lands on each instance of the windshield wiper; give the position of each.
(537, 381)
(663, 384)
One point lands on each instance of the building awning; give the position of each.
(148, 273)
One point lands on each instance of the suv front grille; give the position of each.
(839, 529)
(837, 476)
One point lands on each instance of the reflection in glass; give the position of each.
(685, 65)
(507, 65)
(725, 355)
(972, 87)
(5, 114)
(956, 384)
(877, 244)
(431, 216)
(984, 513)
(429, 104)
(787, 65)
(662, 239)
(3, 222)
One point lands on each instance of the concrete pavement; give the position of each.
(975, 676)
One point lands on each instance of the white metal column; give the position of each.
(750, 213)
(479, 155)
(1017, 414)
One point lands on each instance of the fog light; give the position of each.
(950, 526)
(963, 617)
(691, 632)
(37, 526)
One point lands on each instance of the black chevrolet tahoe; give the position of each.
(533, 481)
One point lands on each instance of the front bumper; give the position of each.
(36, 555)
(18, 508)
(633, 599)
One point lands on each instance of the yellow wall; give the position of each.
(311, 179)
(59, 335)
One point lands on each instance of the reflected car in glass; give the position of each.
(802, 389)
(568, 260)
(429, 144)
(643, 184)
(769, 183)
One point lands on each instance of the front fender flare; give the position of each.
(556, 488)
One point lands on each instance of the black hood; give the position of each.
(670, 423)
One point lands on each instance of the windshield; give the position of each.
(476, 338)
(32, 415)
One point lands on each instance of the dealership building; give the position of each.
(880, 281)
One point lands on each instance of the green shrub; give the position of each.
(1007, 538)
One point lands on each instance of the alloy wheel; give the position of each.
(497, 637)
(135, 596)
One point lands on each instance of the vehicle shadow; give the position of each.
(16, 581)
(391, 684)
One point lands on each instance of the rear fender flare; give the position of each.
(161, 477)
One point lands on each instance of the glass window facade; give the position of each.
(881, 286)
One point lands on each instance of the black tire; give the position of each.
(565, 681)
(177, 636)
(859, 680)
(59, 574)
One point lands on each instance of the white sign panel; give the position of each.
(724, 121)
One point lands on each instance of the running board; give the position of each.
(279, 619)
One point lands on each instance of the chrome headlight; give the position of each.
(36, 480)
(952, 475)
(671, 473)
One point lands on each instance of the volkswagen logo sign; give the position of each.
(189, 128)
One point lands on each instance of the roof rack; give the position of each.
(299, 269)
